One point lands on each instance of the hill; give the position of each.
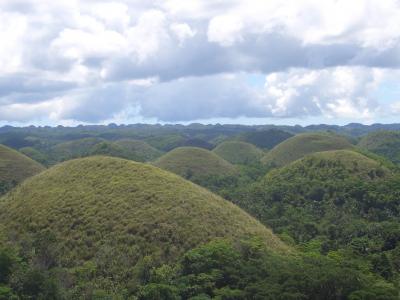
(192, 162)
(36, 155)
(109, 216)
(237, 152)
(74, 149)
(333, 202)
(15, 168)
(139, 149)
(266, 139)
(302, 144)
(384, 143)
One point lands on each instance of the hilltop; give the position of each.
(237, 152)
(15, 167)
(384, 143)
(191, 162)
(110, 214)
(302, 144)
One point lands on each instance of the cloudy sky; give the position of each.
(172, 61)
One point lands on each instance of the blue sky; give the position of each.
(230, 61)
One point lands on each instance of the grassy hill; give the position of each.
(266, 139)
(74, 149)
(191, 162)
(334, 202)
(36, 155)
(237, 152)
(15, 167)
(302, 144)
(139, 149)
(102, 218)
(384, 143)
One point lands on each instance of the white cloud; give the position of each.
(341, 92)
(320, 58)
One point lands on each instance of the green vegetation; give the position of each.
(239, 152)
(100, 220)
(15, 168)
(385, 143)
(336, 203)
(139, 149)
(306, 143)
(36, 155)
(74, 149)
(191, 162)
(266, 139)
(166, 142)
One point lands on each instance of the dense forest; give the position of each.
(200, 212)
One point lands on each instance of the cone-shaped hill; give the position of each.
(337, 187)
(302, 144)
(384, 143)
(15, 167)
(139, 149)
(192, 162)
(237, 152)
(340, 164)
(113, 212)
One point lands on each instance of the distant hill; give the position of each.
(195, 142)
(266, 139)
(113, 215)
(191, 162)
(36, 155)
(139, 149)
(302, 144)
(74, 149)
(237, 152)
(15, 168)
(384, 143)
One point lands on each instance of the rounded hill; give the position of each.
(339, 164)
(302, 144)
(237, 152)
(139, 149)
(74, 149)
(15, 167)
(191, 162)
(384, 143)
(112, 213)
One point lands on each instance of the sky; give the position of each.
(302, 62)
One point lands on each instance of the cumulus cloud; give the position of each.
(79, 60)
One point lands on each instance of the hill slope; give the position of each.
(384, 143)
(191, 162)
(237, 152)
(15, 167)
(303, 144)
(112, 212)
